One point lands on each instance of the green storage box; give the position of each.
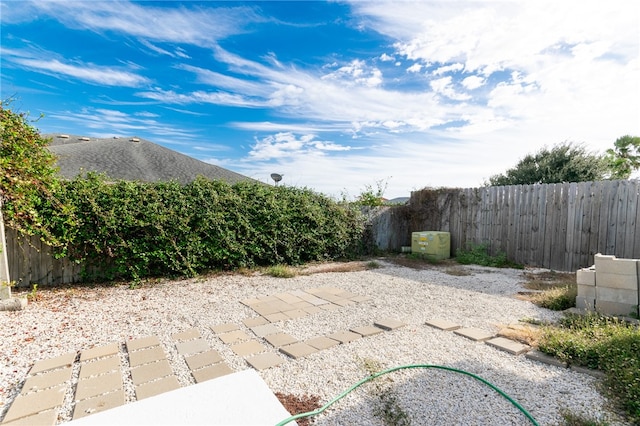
(434, 244)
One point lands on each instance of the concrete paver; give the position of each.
(389, 324)
(48, 418)
(322, 342)
(146, 373)
(100, 352)
(57, 362)
(474, 334)
(248, 348)
(25, 405)
(344, 336)
(312, 310)
(265, 330)
(165, 384)
(278, 316)
(234, 337)
(264, 361)
(265, 308)
(203, 359)
(211, 372)
(298, 350)
(98, 403)
(280, 339)
(343, 302)
(251, 301)
(536, 355)
(101, 366)
(192, 346)
(141, 343)
(88, 388)
(224, 328)
(508, 345)
(252, 322)
(192, 333)
(366, 330)
(296, 313)
(147, 355)
(442, 324)
(47, 379)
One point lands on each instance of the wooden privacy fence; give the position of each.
(555, 226)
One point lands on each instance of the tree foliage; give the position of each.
(624, 158)
(565, 162)
(28, 177)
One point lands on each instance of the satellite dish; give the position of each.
(276, 177)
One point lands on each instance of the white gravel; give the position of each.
(68, 320)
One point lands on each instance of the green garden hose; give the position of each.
(403, 367)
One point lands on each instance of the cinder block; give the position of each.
(586, 291)
(611, 265)
(586, 303)
(616, 295)
(615, 308)
(617, 281)
(586, 276)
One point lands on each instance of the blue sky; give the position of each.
(336, 96)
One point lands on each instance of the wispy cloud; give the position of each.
(190, 25)
(100, 121)
(89, 73)
(287, 144)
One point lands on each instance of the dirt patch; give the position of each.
(299, 404)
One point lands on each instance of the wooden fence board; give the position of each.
(612, 215)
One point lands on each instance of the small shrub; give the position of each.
(557, 299)
(608, 344)
(280, 271)
(478, 254)
(373, 265)
(572, 419)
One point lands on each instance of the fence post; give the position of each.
(5, 290)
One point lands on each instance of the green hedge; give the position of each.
(130, 229)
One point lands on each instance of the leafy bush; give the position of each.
(557, 299)
(478, 254)
(27, 174)
(605, 343)
(131, 229)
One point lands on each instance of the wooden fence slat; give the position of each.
(612, 215)
(621, 220)
(636, 244)
(570, 233)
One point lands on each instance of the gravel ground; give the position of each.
(73, 319)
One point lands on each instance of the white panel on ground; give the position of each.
(241, 398)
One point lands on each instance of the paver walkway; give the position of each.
(93, 378)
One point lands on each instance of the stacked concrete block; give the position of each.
(616, 285)
(586, 280)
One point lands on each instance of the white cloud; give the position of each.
(473, 82)
(89, 73)
(444, 86)
(415, 68)
(288, 145)
(448, 68)
(387, 58)
(356, 72)
(192, 25)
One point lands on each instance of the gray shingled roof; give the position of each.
(132, 158)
